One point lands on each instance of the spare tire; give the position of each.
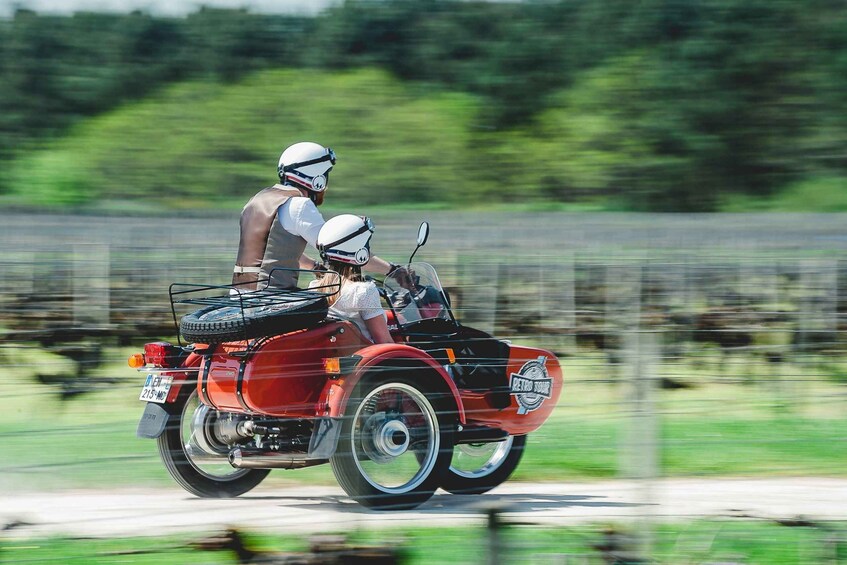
(217, 324)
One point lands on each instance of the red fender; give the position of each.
(337, 392)
(180, 379)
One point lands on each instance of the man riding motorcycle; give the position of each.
(278, 222)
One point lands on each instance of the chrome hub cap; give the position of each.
(395, 438)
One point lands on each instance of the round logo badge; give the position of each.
(531, 386)
(362, 256)
(319, 183)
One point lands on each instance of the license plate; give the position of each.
(156, 388)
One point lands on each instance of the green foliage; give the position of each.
(667, 105)
(825, 194)
(200, 144)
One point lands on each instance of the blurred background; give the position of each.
(650, 190)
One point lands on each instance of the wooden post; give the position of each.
(480, 289)
(91, 284)
(557, 300)
(623, 308)
(494, 527)
(18, 272)
(641, 448)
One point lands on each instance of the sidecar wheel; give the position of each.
(396, 443)
(203, 476)
(478, 468)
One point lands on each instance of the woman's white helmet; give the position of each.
(346, 239)
(306, 164)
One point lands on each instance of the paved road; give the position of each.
(321, 509)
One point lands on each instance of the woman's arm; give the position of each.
(370, 309)
(379, 329)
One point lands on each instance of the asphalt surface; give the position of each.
(326, 509)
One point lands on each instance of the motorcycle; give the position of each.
(270, 381)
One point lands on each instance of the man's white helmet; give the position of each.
(346, 239)
(306, 164)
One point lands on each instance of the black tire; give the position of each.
(494, 464)
(372, 440)
(217, 324)
(197, 478)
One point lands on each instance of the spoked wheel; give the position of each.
(395, 445)
(479, 467)
(195, 459)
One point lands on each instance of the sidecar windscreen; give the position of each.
(418, 296)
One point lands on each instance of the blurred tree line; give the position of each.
(654, 105)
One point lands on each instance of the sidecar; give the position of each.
(276, 383)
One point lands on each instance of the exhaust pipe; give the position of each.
(258, 459)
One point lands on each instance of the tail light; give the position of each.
(161, 354)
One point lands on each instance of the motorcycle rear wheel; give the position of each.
(213, 477)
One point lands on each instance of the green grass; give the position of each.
(696, 542)
(155, 551)
(715, 429)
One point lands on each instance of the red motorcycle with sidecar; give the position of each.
(271, 381)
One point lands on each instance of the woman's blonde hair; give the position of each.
(348, 273)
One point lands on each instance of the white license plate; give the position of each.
(156, 388)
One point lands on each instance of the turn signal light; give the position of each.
(136, 360)
(332, 366)
(451, 355)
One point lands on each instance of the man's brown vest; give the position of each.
(265, 244)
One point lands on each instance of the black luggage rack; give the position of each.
(235, 295)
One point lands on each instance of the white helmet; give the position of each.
(306, 164)
(346, 239)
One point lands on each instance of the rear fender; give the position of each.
(190, 378)
(153, 421)
(337, 392)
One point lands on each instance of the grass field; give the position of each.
(724, 427)
(697, 542)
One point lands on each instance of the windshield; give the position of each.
(419, 296)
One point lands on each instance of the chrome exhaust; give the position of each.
(248, 459)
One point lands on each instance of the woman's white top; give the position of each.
(357, 302)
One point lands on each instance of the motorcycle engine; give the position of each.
(217, 432)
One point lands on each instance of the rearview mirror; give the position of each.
(423, 233)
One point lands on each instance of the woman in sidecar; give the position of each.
(344, 245)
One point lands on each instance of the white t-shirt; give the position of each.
(300, 216)
(357, 302)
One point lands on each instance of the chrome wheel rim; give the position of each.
(476, 460)
(394, 438)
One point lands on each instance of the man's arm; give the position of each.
(379, 266)
(308, 263)
(308, 221)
